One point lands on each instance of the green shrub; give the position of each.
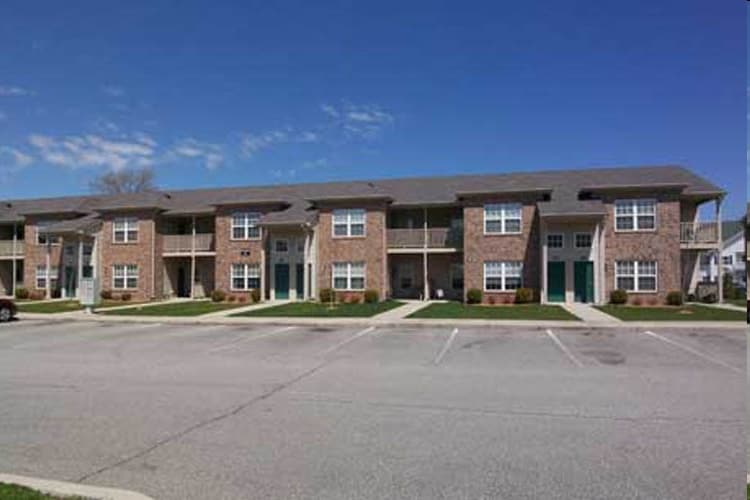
(729, 289)
(709, 298)
(371, 296)
(106, 294)
(255, 295)
(524, 296)
(231, 298)
(126, 296)
(327, 295)
(474, 296)
(218, 296)
(674, 298)
(22, 293)
(618, 297)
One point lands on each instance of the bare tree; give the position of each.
(124, 181)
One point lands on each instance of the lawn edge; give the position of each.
(63, 488)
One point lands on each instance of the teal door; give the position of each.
(584, 281)
(300, 281)
(281, 281)
(556, 281)
(71, 281)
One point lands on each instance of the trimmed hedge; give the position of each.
(474, 296)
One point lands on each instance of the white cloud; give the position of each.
(12, 161)
(94, 151)
(113, 90)
(315, 164)
(14, 91)
(211, 154)
(251, 144)
(363, 121)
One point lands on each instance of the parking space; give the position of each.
(274, 411)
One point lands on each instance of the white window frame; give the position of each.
(501, 215)
(53, 240)
(504, 264)
(725, 258)
(279, 240)
(562, 240)
(41, 274)
(633, 205)
(575, 240)
(349, 276)
(637, 274)
(129, 272)
(247, 272)
(249, 223)
(347, 215)
(127, 225)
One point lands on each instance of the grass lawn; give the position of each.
(186, 308)
(738, 302)
(684, 313)
(15, 492)
(318, 310)
(56, 306)
(456, 310)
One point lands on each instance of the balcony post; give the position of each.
(48, 278)
(80, 266)
(719, 245)
(192, 260)
(14, 261)
(426, 283)
(543, 284)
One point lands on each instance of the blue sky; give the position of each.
(222, 93)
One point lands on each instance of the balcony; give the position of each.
(182, 244)
(6, 248)
(443, 238)
(699, 235)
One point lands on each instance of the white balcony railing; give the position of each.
(6, 248)
(183, 243)
(435, 237)
(699, 233)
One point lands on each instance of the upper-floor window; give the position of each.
(125, 230)
(635, 215)
(349, 275)
(245, 226)
(124, 276)
(43, 238)
(502, 218)
(502, 275)
(555, 240)
(635, 275)
(245, 276)
(728, 260)
(349, 222)
(583, 240)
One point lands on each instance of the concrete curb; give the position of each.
(72, 489)
(365, 322)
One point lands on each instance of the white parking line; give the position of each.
(350, 339)
(446, 346)
(564, 349)
(235, 342)
(692, 351)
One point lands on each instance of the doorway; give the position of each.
(584, 281)
(300, 281)
(182, 285)
(281, 281)
(71, 281)
(556, 281)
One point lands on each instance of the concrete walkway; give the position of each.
(252, 307)
(590, 315)
(403, 311)
(725, 305)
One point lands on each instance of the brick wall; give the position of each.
(35, 255)
(479, 247)
(145, 253)
(371, 248)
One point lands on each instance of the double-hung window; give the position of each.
(635, 215)
(42, 275)
(125, 230)
(245, 276)
(555, 240)
(502, 218)
(245, 226)
(583, 240)
(348, 222)
(349, 275)
(502, 275)
(124, 276)
(43, 238)
(636, 275)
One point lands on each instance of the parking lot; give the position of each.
(234, 411)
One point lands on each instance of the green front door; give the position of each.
(71, 281)
(281, 281)
(300, 277)
(584, 281)
(556, 281)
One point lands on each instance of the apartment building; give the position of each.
(572, 235)
(732, 257)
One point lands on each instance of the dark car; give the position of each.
(7, 310)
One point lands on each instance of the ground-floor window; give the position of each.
(636, 275)
(406, 275)
(502, 275)
(41, 277)
(349, 275)
(124, 276)
(245, 276)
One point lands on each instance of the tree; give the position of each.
(124, 181)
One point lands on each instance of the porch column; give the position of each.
(80, 266)
(544, 257)
(262, 264)
(305, 257)
(192, 260)
(426, 283)
(47, 285)
(719, 243)
(14, 262)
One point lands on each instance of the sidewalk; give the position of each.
(252, 307)
(729, 307)
(590, 315)
(409, 307)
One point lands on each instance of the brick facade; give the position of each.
(36, 255)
